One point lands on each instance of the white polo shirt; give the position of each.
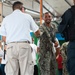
(17, 26)
(34, 51)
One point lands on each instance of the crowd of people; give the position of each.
(21, 50)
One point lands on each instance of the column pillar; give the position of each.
(41, 11)
(1, 10)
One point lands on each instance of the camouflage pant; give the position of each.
(47, 64)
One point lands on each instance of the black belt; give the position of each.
(20, 42)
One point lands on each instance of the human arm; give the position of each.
(57, 47)
(4, 39)
(34, 27)
(3, 32)
(37, 33)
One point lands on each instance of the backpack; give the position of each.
(69, 31)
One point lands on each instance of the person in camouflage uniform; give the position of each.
(64, 55)
(47, 57)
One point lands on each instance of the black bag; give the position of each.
(69, 31)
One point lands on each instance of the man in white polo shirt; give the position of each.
(16, 30)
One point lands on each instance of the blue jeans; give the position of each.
(60, 71)
(71, 58)
(0, 70)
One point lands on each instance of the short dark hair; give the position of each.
(46, 13)
(17, 5)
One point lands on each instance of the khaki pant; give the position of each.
(19, 56)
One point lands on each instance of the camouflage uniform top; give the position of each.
(64, 55)
(47, 58)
